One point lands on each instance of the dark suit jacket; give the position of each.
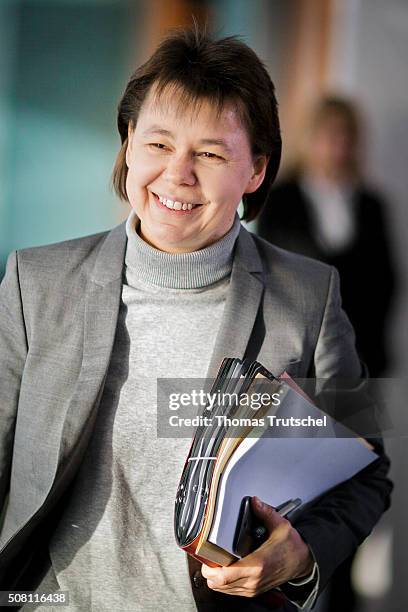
(58, 314)
(365, 266)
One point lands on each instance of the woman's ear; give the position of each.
(129, 143)
(259, 169)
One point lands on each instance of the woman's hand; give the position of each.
(283, 556)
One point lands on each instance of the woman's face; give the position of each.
(187, 172)
(333, 146)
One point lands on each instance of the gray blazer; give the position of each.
(58, 313)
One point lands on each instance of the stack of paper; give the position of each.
(278, 449)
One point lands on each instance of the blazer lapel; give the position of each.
(101, 314)
(242, 305)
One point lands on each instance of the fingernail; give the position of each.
(258, 502)
(210, 583)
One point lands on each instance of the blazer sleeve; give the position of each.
(338, 522)
(13, 352)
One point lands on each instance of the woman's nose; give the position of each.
(180, 171)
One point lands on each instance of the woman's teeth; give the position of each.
(175, 205)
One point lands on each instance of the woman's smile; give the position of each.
(175, 206)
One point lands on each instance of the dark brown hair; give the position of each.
(218, 71)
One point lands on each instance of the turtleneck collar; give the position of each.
(178, 270)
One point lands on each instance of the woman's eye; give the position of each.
(209, 155)
(157, 145)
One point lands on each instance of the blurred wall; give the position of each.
(64, 66)
(7, 57)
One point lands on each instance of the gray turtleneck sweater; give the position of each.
(114, 547)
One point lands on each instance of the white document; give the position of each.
(277, 469)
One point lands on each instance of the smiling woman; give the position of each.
(88, 326)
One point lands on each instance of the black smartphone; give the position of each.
(250, 533)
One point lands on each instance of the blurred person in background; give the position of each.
(325, 209)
